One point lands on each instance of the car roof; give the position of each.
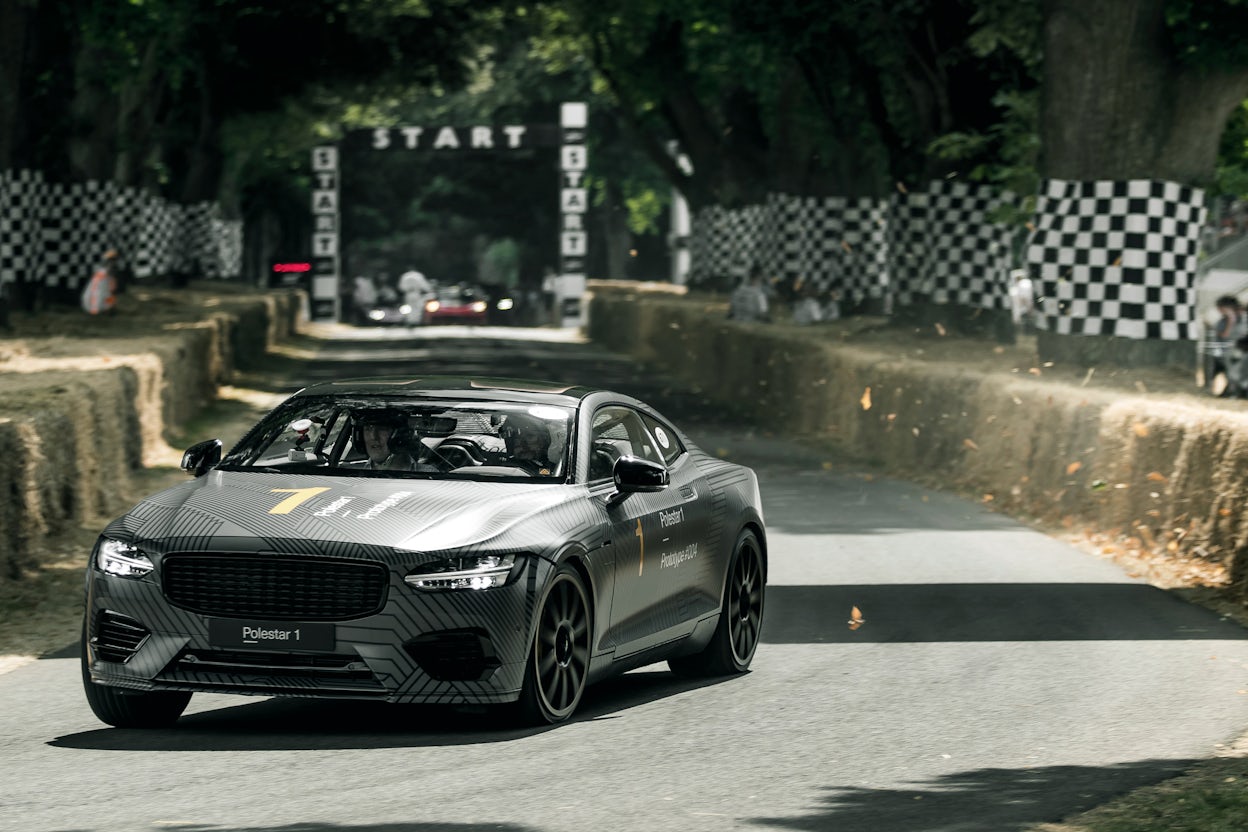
(455, 387)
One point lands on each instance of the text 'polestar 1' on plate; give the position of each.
(436, 540)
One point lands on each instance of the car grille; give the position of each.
(117, 637)
(274, 587)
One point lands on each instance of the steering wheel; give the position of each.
(457, 453)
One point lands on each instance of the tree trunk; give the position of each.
(1117, 105)
(141, 102)
(15, 20)
(204, 160)
(616, 236)
(93, 112)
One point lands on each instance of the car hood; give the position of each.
(225, 509)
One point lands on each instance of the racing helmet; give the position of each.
(521, 427)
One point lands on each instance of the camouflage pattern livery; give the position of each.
(266, 581)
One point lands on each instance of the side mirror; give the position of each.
(633, 474)
(201, 456)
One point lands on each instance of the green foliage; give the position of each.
(1007, 153)
(1232, 171)
(1209, 34)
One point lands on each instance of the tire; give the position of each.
(731, 648)
(558, 664)
(155, 709)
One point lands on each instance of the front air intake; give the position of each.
(454, 655)
(117, 637)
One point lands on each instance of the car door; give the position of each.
(654, 535)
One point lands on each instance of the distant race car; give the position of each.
(438, 540)
(394, 313)
(457, 304)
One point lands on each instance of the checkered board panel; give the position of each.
(21, 195)
(969, 251)
(909, 256)
(864, 248)
(55, 234)
(725, 242)
(812, 241)
(1117, 257)
(836, 243)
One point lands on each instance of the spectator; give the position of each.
(749, 299)
(416, 290)
(99, 296)
(807, 310)
(1228, 349)
(1232, 321)
(831, 306)
(363, 298)
(1022, 297)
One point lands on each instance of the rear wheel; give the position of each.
(152, 709)
(736, 637)
(558, 665)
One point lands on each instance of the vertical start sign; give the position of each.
(325, 233)
(574, 203)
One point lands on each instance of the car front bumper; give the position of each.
(461, 646)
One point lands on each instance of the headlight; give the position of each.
(377, 315)
(463, 572)
(480, 306)
(122, 559)
(405, 309)
(432, 306)
(505, 303)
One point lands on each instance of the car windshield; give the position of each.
(388, 437)
(457, 295)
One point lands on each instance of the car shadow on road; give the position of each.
(987, 612)
(286, 724)
(983, 800)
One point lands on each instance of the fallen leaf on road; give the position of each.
(1157, 476)
(1141, 429)
(970, 443)
(1073, 467)
(855, 618)
(866, 399)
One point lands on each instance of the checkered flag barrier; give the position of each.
(54, 233)
(909, 255)
(726, 242)
(969, 251)
(942, 243)
(1117, 257)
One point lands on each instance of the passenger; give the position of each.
(528, 444)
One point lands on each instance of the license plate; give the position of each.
(270, 635)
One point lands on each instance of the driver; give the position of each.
(389, 441)
(528, 443)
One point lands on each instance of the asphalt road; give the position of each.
(999, 679)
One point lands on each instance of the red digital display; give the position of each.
(292, 267)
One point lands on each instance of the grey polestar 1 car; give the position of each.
(428, 540)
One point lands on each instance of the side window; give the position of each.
(617, 432)
(669, 446)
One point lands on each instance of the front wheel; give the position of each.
(732, 647)
(152, 709)
(558, 665)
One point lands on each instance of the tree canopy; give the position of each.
(222, 99)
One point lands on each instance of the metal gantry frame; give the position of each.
(568, 285)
